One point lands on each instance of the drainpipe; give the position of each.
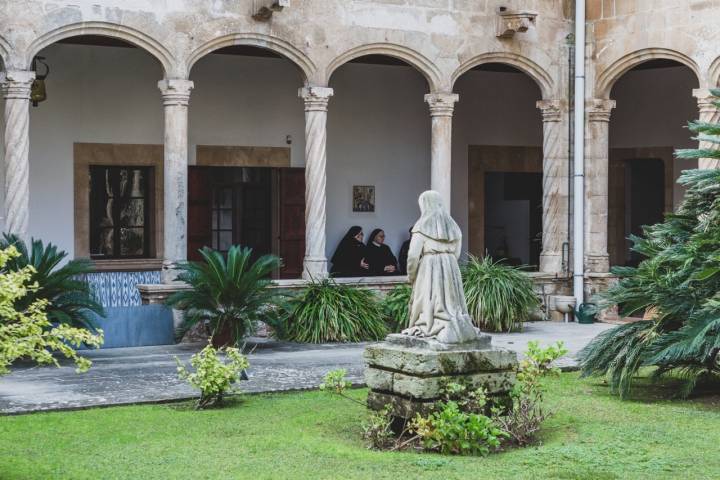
(579, 157)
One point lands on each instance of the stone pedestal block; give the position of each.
(409, 373)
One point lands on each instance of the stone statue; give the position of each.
(437, 307)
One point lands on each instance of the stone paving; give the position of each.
(148, 374)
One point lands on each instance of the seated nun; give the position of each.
(379, 256)
(349, 257)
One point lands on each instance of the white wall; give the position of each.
(95, 94)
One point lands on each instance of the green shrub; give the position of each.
(679, 280)
(522, 422)
(231, 294)
(213, 376)
(69, 298)
(449, 430)
(395, 305)
(28, 333)
(499, 297)
(462, 421)
(328, 312)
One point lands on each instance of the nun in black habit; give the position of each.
(379, 256)
(349, 258)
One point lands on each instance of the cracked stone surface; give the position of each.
(148, 374)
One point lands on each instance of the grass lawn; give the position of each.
(311, 435)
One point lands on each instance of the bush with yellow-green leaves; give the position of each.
(27, 333)
(213, 376)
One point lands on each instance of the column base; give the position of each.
(169, 272)
(597, 263)
(315, 268)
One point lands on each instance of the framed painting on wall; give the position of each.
(363, 198)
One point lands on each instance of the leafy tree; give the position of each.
(679, 279)
(69, 297)
(28, 333)
(232, 294)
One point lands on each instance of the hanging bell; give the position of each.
(38, 92)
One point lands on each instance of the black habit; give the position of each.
(379, 256)
(348, 255)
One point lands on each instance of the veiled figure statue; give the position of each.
(437, 307)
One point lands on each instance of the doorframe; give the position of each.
(493, 158)
(618, 158)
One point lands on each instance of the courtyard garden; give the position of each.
(592, 435)
(645, 404)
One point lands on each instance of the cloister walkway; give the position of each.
(148, 374)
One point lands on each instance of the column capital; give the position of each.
(599, 109)
(175, 91)
(551, 110)
(441, 104)
(17, 83)
(316, 98)
(705, 100)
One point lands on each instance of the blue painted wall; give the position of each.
(128, 323)
(137, 326)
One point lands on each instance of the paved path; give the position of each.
(147, 374)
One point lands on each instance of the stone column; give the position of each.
(555, 185)
(176, 96)
(596, 185)
(441, 112)
(16, 90)
(708, 113)
(316, 106)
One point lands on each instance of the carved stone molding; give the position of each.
(16, 84)
(316, 98)
(175, 91)
(441, 104)
(599, 109)
(509, 23)
(551, 110)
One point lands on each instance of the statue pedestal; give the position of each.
(410, 372)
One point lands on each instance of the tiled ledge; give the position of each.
(158, 293)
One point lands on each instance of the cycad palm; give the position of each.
(70, 296)
(680, 278)
(230, 293)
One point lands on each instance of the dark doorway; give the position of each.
(513, 217)
(644, 198)
(248, 206)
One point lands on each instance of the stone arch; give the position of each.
(416, 60)
(606, 80)
(524, 64)
(105, 29)
(277, 45)
(714, 74)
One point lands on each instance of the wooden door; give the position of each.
(199, 229)
(291, 241)
(254, 220)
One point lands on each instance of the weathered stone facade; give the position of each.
(442, 39)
